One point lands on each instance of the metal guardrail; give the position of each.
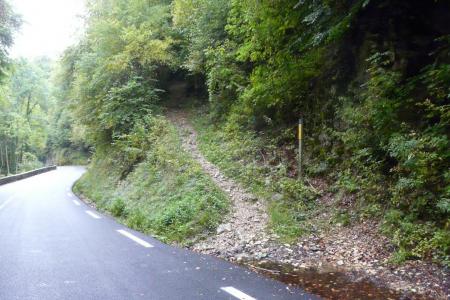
(17, 177)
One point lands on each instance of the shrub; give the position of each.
(164, 193)
(118, 208)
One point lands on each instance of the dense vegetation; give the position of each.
(24, 103)
(8, 23)
(36, 125)
(35, 122)
(24, 125)
(370, 78)
(166, 194)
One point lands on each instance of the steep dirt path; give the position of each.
(247, 222)
(359, 253)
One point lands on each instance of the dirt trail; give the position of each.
(359, 252)
(248, 219)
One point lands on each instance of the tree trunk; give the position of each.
(7, 160)
(1, 158)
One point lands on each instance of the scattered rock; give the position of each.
(277, 197)
(358, 250)
(223, 228)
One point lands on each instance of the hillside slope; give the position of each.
(179, 196)
(254, 233)
(369, 78)
(160, 190)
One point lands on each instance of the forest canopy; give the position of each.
(35, 123)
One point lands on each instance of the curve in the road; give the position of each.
(56, 247)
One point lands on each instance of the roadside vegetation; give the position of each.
(153, 186)
(370, 78)
(35, 125)
(373, 95)
(24, 106)
(22, 95)
(264, 169)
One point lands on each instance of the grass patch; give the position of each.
(260, 166)
(257, 162)
(166, 195)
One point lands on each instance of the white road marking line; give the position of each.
(92, 214)
(6, 202)
(135, 238)
(236, 293)
(76, 202)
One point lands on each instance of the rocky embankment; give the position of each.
(359, 251)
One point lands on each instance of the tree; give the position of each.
(25, 109)
(9, 22)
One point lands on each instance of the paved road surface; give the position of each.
(53, 246)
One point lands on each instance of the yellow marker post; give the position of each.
(300, 145)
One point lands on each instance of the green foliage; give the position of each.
(29, 162)
(421, 161)
(281, 45)
(226, 80)
(391, 130)
(126, 104)
(201, 23)
(118, 207)
(67, 144)
(111, 72)
(373, 90)
(342, 218)
(166, 194)
(416, 240)
(9, 23)
(24, 124)
(262, 168)
(70, 156)
(284, 223)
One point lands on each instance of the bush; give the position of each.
(29, 162)
(416, 239)
(396, 154)
(118, 207)
(153, 186)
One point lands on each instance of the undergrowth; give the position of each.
(256, 162)
(262, 166)
(74, 157)
(166, 194)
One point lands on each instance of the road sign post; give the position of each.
(300, 146)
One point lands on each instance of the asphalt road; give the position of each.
(53, 246)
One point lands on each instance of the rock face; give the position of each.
(359, 250)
